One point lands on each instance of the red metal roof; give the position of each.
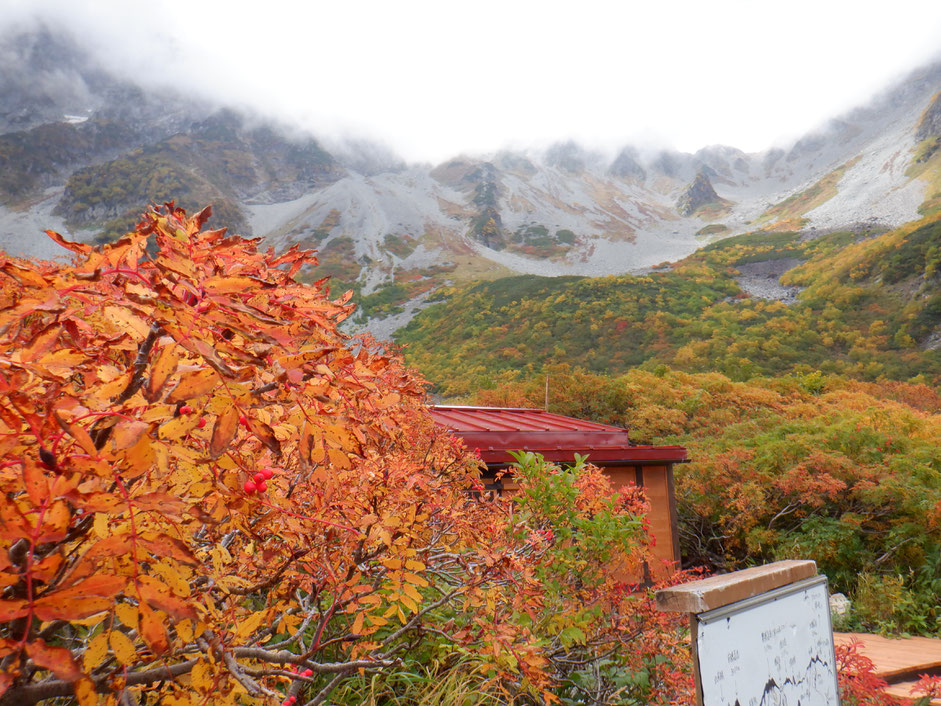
(498, 430)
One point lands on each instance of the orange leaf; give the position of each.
(78, 433)
(36, 486)
(78, 248)
(57, 660)
(139, 458)
(127, 433)
(163, 368)
(11, 610)
(265, 435)
(195, 383)
(160, 502)
(54, 607)
(225, 285)
(159, 596)
(152, 630)
(338, 458)
(55, 522)
(164, 545)
(85, 692)
(223, 431)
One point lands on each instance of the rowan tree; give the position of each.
(212, 495)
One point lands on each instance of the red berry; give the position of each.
(258, 477)
(186, 409)
(308, 672)
(243, 420)
(201, 423)
(250, 487)
(262, 486)
(266, 473)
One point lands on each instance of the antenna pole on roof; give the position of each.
(547, 393)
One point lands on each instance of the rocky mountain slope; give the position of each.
(82, 151)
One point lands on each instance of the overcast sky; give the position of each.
(436, 78)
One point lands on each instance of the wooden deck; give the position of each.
(898, 661)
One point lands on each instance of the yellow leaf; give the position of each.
(250, 624)
(173, 579)
(184, 629)
(409, 603)
(127, 614)
(358, 622)
(195, 383)
(411, 592)
(178, 427)
(63, 362)
(201, 677)
(414, 578)
(128, 321)
(96, 652)
(138, 459)
(123, 648)
(85, 692)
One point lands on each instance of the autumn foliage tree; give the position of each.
(212, 495)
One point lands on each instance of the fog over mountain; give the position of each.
(433, 82)
(83, 148)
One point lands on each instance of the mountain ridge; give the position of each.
(567, 210)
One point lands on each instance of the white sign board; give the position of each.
(773, 649)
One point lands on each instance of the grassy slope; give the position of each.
(866, 311)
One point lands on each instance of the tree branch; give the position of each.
(52, 688)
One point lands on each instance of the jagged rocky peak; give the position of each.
(669, 163)
(366, 157)
(930, 123)
(47, 77)
(44, 76)
(725, 162)
(627, 165)
(515, 162)
(458, 173)
(569, 156)
(696, 195)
